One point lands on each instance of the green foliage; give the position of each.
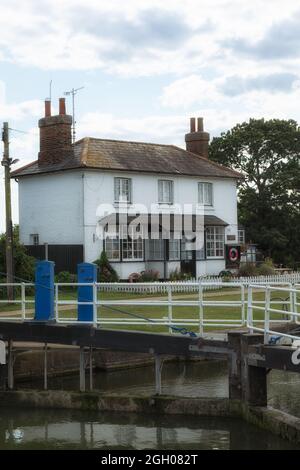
(106, 272)
(247, 269)
(177, 275)
(266, 268)
(24, 265)
(150, 275)
(226, 276)
(66, 276)
(267, 153)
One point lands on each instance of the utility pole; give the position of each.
(6, 162)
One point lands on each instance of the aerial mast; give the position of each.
(73, 92)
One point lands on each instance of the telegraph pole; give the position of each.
(6, 162)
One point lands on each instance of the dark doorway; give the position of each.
(188, 258)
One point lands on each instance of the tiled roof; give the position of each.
(117, 155)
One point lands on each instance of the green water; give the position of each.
(64, 429)
(36, 429)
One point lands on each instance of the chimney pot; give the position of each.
(47, 108)
(193, 124)
(62, 106)
(200, 124)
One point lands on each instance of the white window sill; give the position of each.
(214, 257)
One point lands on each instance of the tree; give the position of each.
(106, 272)
(267, 153)
(24, 265)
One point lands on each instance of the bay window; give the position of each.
(215, 242)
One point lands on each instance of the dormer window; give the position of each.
(123, 190)
(205, 194)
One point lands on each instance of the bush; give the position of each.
(24, 265)
(149, 276)
(65, 276)
(177, 275)
(226, 275)
(247, 269)
(106, 272)
(266, 268)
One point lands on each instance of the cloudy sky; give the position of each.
(146, 66)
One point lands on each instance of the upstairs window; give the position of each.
(205, 194)
(165, 192)
(122, 190)
(241, 236)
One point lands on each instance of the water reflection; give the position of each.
(57, 429)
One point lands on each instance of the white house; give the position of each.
(69, 197)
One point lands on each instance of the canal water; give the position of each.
(65, 429)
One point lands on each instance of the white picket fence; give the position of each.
(208, 283)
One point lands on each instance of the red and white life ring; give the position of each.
(233, 254)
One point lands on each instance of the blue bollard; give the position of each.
(87, 273)
(44, 291)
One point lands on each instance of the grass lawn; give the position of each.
(179, 313)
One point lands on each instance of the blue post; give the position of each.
(87, 273)
(44, 291)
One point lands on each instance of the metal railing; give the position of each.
(273, 315)
(169, 319)
(172, 309)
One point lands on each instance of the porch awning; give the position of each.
(173, 221)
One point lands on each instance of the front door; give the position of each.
(188, 258)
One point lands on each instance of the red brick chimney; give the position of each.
(55, 135)
(197, 140)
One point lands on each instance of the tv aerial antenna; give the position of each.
(73, 93)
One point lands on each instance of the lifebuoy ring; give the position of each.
(233, 254)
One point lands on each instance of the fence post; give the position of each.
(250, 309)
(293, 318)
(170, 308)
(267, 315)
(95, 309)
(243, 304)
(201, 329)
(23, 299)
(56, 302)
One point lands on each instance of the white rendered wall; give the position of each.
(51, 206)
(99, 189)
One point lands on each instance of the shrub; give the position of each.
(150, 275)
(106, 272)
(266, 268)
(65, 276)
(24, 265)
(247, 269)
(134, 277)
(226, 275)
(177, 275)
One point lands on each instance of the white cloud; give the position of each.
(175, 36)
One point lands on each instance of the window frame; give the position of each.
(121, 180)
(107, 237)
(34, 239)
(161, 191)
(130, 241)
(205, 184)
(172, 240)
(212, 243)
(161, 251)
